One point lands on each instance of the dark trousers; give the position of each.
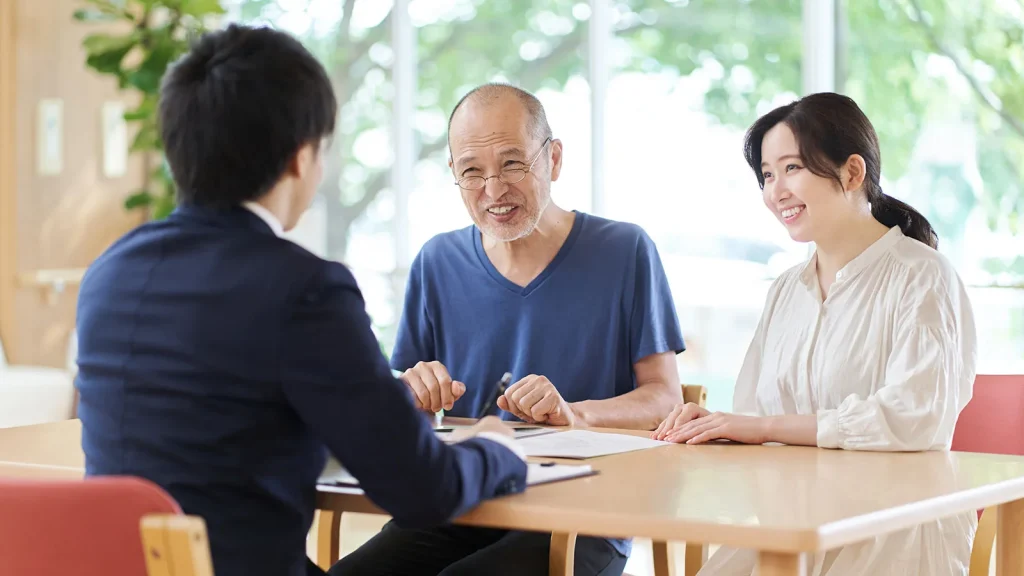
(467, 551)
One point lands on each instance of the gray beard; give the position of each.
(528, 230)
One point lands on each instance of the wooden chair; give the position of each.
(176, 545)
(104, 526)
(563, 544)
(991, 423)
(695, 555)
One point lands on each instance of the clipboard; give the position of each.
(537, 473)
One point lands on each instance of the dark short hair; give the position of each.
(829, 128)
(236, 109)
(538, 119)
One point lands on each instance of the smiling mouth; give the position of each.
(790, 214)
(501, 210)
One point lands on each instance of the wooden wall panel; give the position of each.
(7, 176)
(63, 220)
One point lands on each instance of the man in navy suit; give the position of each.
(223, 362)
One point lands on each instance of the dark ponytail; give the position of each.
(892, 212)
(830, 128)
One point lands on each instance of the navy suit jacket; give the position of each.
(219, 361)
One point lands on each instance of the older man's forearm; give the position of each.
(641, 409)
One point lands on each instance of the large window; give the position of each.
(680, 81)
(689, 77)
(943, 84)
(352, 217)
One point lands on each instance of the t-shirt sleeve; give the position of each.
(654, 324)
(414, 341)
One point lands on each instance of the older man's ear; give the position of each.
(556, 159)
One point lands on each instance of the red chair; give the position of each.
(106, 526)
(991, 423)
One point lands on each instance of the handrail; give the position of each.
(51, 276)
(50, 282)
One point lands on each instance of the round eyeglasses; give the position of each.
(506, 176)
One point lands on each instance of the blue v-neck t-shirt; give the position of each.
(602, 305)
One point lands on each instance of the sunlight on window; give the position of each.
(687, 79)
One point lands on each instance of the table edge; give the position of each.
(860, 528)
(496, 513)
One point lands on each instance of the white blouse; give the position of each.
(886, 362)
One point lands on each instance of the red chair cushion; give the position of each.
(82, 527)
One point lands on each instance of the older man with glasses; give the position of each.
(577, 308)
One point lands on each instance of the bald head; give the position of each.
(495, 92)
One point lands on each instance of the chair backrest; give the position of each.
(993, 421)
(84, 527)
(695, 393)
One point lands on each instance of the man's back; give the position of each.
(219, 360)
(180, 378)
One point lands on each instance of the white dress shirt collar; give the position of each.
(265, 215)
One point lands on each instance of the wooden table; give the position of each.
(55, 443)
(42, 451)
(785, 501)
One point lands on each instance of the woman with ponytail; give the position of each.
(869, 345)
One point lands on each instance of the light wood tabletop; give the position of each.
(40, 471)
(784, 501)
(54, 443)
(783, 498)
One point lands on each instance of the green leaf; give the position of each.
(137, 114)
(200, 8)
(106, 52)
(146, 78)
(138, 200)
(163, 206)
(92, 15)
(144, 111)
(147, 139)
(99, 43)
(160, 174)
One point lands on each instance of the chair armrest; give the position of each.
(175, 545)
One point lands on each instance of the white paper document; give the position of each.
(585, 444)
(537, 473)
(334, 473)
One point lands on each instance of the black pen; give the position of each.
(498, 390)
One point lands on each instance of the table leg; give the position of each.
(782, 564)
(328, 538)
(696, 557)
(1010, 539)
(664, 560)
(563, 552)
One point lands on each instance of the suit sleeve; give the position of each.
(338, 381)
